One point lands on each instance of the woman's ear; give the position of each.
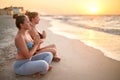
(21, 25)
(32, 19)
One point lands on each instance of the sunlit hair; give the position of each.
(32, 15)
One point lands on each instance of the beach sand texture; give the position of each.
(79, 61)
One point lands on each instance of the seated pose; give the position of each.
(27, 62)
(34, 19)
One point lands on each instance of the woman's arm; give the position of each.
(21, 44)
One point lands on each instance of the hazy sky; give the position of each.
(67, 6)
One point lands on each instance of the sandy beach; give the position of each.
(79, 61)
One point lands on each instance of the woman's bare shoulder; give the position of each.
(18, 40)
(18, 37)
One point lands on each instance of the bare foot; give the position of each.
(50, 68)
(56, 59)
(37, 75)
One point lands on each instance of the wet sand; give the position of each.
(79, 61)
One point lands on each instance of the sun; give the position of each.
(93, 9)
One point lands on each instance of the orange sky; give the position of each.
(67, 6)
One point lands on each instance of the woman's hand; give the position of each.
(41, 40)
(44, 34)
(37, 39)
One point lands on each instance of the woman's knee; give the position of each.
(49, 54)
(44, 66)
(52, 46)
(53, 51)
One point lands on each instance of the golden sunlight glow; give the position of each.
(93, 9)
(61, 7)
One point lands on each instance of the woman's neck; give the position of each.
(22, 31)
(33, 24)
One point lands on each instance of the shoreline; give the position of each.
(89, 37)
(79, 61)
(65, 19)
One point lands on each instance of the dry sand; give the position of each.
(79, 62)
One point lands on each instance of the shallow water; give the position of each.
(108, 43)
(7, 32)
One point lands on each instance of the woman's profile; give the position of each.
(27, 62)
(34, 19)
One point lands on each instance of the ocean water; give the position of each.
(100, 32)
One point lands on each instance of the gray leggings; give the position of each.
(38, 63)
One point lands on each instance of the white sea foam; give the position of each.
(109, 44)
